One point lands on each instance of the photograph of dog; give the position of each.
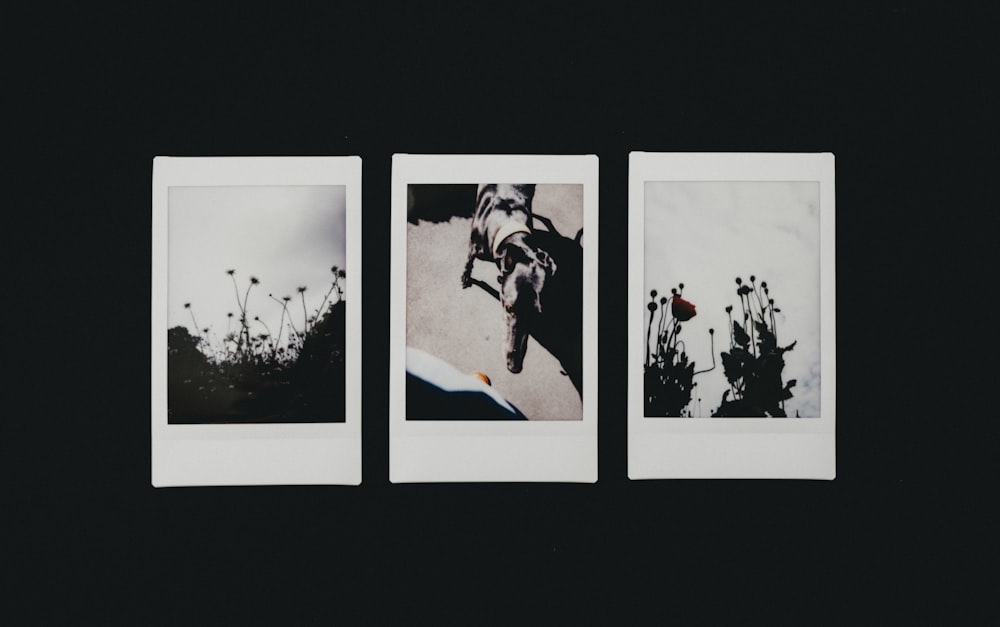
(512, 325)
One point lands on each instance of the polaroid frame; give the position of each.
(256, 454)
(480, 451)
(677, 448)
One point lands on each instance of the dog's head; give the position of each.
(523, 272)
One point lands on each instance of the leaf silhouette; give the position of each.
(766, 339)
(755, 362)
(733, 364)
(740, 335)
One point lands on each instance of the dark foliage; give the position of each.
(668, 375)
(754, 363)
(252, 379)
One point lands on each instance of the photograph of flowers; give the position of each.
(732, 288)
(256, 298)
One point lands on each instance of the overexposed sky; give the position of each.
(704, 235)
(285, 236)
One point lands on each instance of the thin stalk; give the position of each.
(281, 326)
(760, 303)
(330, 291)
(305, 314)
(261, 322)
(711, 337)
(651, 308)
(774, 325)
(753, 346)
(246, 298)
(243, 313)
(197, 329)
(662, 325)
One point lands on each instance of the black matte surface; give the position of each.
(903, 96)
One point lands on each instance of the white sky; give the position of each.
(704, 235)
(286, 236)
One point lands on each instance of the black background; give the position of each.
(904, 97)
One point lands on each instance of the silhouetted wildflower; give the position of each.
(668, 373)
(755, 360)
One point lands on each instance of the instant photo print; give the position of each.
(731, 362)
(256, 321)
(493, 373)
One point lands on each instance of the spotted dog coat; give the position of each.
(501, 233)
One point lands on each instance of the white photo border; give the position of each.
(479, 451)
(731, 447)
(256, 454)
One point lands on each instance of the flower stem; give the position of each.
(197, 329)
(243, 313)
(305, 315)
(246, 323)
(711, 338)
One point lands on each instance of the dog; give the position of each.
(501, 233)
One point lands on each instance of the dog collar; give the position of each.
(506, 231)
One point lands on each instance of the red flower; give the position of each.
(682, 309)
